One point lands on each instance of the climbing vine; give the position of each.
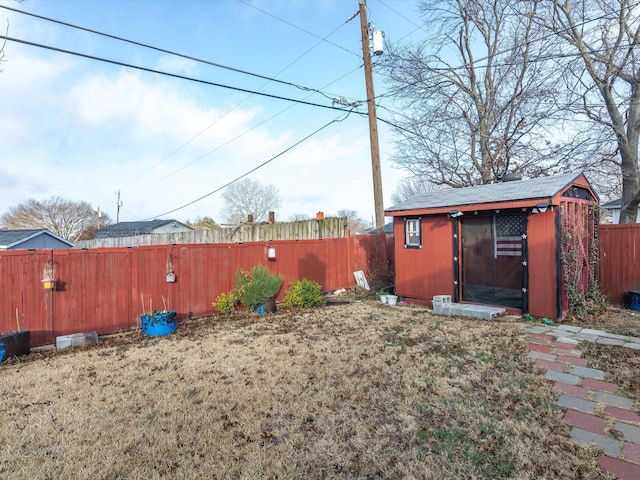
(580, 258)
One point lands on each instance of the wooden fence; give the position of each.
(619, 258)
(333, 227)
(106, 290)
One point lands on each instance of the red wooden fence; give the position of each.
(103, 290)
(619, 260)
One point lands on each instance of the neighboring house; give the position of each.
(612, 212)
(388, 229)
(31, 239)
(131, 229)
(500, 244)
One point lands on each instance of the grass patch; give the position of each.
(351, 391)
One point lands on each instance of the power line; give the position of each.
(302, 29)
(168, 74)
(169, 52)
(335, 120)
(139, 190)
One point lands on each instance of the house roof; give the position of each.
(11, 238)
(617, 203)
(529, 189)
(128, 229)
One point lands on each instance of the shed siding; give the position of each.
(427, 271)
(543, 285)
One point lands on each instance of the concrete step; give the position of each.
(467, 310)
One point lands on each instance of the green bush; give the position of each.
(303, 294)
(225, 302)
(256, 287)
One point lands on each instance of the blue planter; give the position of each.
(159, 324)
(15, 344)
(267, 307)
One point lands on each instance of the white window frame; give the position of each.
(413, 232)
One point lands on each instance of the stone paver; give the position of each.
(631, 452)
(538, 348)
(586, 421)
(567, 341)
(622, 414)
(567, 401)
(599, 418)
(541, 356)
(547, 365)
(619, 468)
(588, 372)
(600, 385)
(563, 377)
(538, 329)
(615, 400)
(610, 341)
(631, 433)
(608, 445)
(574, 390)
(581, 362)
(568, 328)
(565, 352)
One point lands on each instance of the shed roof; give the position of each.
(127, 229)
(11, 238)
(529, 189)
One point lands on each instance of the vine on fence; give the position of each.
(580, 259)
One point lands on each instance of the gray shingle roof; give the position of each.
(128, 229)
(10, 238)
(530, 189)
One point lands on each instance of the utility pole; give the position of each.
(373, 123)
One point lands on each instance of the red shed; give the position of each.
(524, 245)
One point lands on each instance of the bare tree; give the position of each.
(410, 187)
(477, 96)
(203, 223)
(355, 223)
(602, 75)
(3, 45)
(298, 217)
(249, 198)
(67, 219)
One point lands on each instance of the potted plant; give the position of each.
(257, 290)
(383, 296)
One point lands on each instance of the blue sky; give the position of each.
(83, 129)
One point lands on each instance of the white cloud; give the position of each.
(83, 135)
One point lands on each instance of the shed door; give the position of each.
(492, 260)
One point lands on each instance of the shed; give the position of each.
(525, 245)
(30, 239)
(130, 229)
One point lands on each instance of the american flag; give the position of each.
(508, 236)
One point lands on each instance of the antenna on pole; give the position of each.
(371, 108)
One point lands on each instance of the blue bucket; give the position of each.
(159, 324)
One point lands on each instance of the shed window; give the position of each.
(412, 233)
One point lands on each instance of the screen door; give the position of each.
(492, 260)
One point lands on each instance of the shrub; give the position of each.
(225, 302)
(303, 293)
(255, 287)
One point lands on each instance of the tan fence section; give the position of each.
(334, 227)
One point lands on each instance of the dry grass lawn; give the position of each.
(359, 390)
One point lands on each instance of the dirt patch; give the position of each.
(358, 390)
